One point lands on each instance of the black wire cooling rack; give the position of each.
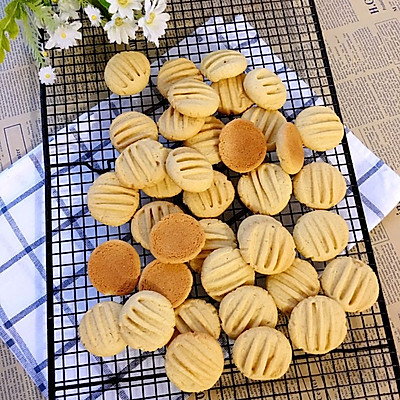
(364, 367)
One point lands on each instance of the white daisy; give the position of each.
(47, 75)
(120, 29)
(154, 22)
(65, 36)
(124, 7)
(93, 14)
(68, 9)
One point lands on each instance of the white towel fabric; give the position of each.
(22, 214)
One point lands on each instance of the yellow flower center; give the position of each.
(123, 2)
(44, 53)
(151, 18)
(47, 76)
(119, 21)
(63, 35)
(94, 17)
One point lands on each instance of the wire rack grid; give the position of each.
(364, 367)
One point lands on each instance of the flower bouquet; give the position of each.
(120, 19)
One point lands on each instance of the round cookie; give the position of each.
(163, 189)
(99, 330)
(232, 98)
(352, 283)
(189, 169)
(141, 164)
(194, 361)
(295, 284)
(317, 325)
(247, 307)
(196, 315)
(147, 217)
(131, 126)
(262, 353)
(320, 128)
(289, 149)
(223, 64)
(218, 234)
(268, 121)
(266, 189)
(175, 126)
(207, 139)
(147, 321)
(174, 281)
(127, 73)
(114, 268)
(242, 146)
(319, 185)
(177, 238)
(321, 235)
(265, 89)
(225, 270)
(174, 70)
(213, 201)
(111, 203)
(265, 244)
(193, 98)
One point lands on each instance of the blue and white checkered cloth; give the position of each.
(22, 213)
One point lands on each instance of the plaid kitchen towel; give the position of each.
(22, 232)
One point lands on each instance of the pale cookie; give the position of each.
(196, 315)
(295, 284)
(232, 98)
(175, 126)
(99, 330)
(262, 353)
(213, 201)
(265, 244)
(163, 189)
(319, 185)
(218, 234)
(147, 217)
(247, 307)
(127, 73)
(352, 283)
(176, 70)
(222, 64)
(225, 270)
(189, 169)
(147, 321)
(268, 121)
(289, 149)
(207, 139)
(266, 189)
(193, 98)
(321, 235)
(194, 361)
(141, 164)
(317, 325)
(177, 238)
(111, 203)
(174, 281)
(265, 88)
(320, 128)
(131, 126)
(242, 146)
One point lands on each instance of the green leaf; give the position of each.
(5, 43)
(9, 9)
(12, 28)
(2, 55)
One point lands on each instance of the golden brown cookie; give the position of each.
(131, 126)
(174, 70)
(207, 139)
(319, 185)
(177, 238)
(111, 203)
(320, 128)
(147, 217)
(289, 148)
(266, 189)
(242, 146)
(232, 98)
(114, 268)
(321, 235)
(127, 73)
(174, 281)
(213, 201)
